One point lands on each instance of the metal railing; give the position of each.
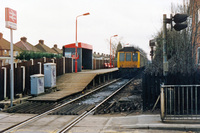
(180, 102)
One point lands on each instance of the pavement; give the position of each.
(98, 124)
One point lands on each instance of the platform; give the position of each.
(72, 83)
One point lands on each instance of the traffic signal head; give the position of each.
(179, 27)
(179, 19)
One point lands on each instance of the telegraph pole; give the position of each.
(165, 62)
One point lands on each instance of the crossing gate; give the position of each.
(180, 102)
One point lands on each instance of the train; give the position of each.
(131, 59)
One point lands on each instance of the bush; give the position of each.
(27, 55)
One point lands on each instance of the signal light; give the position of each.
(179, 19)
(179, 27)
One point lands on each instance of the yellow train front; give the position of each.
(130, 59)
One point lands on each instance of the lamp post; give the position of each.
(76, 55)
(110, 48)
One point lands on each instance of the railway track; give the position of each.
(81, 106)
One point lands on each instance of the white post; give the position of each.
(32, 61)
(45, 59)
(52, 60)
(40, 65)
(5, 81)
(11, 70)
(162, 104)
(23, 67)
(63, 65)
(16, 65)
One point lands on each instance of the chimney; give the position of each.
(41, 41)
(24, 39)
(1, 35)
(55, 46)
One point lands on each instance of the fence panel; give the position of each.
(68, 65)
(180, 102)
(94, 64)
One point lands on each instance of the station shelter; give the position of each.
(84, 51)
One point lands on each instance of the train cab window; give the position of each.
(128, 56)
(121, 57)
(135, 56)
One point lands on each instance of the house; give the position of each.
(43, 48)
(5, 51)
(26, 46)
(195, 15)
(56, 49)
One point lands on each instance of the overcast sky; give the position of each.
(134, 21)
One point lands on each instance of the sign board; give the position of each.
(68, 54)
(11, 18)
(152, 43)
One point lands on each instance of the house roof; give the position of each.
(5, 45)
(41, 46)
(56, 49)
(24, 45)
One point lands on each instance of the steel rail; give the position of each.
(86, 113)
(28, 121)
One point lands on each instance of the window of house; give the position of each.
(121, 57)
(198, 56)
(16, 53)
(198, 19)
(128, 56)
(197, 16)
(5, 51)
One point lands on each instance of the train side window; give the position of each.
(121, 57)
(135, 56)
(128, 56)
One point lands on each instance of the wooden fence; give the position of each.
(99, 63)
(31, 67)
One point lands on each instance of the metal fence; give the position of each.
(180, 102)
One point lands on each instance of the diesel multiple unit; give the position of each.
(129, 58)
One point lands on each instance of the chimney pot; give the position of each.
(55, 46)
(41, 41)
(24, 39)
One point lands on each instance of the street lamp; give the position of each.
(76, 55)
(110, 48)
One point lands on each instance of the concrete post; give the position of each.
(162, 104)
(24, 79)
(5, 81)
(40, 67)
(32, 61)
(165, 63)
(45, 59)
(63, 65)
(52, 60)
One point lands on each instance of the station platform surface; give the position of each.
(71, 83)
